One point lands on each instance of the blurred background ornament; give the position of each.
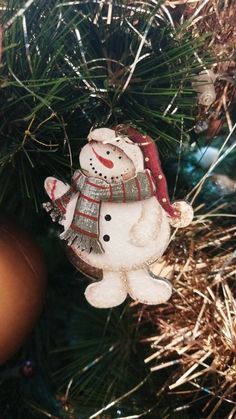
(206, 156)
(27, 369)
(201, 126)
(22, 286)
(224, 184)
(215, 124)
(203, 84)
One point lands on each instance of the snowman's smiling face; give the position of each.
(106, 161)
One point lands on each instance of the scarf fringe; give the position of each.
(82, 242)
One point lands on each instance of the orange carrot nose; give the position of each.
(106, 162)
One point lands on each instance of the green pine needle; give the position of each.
(86, 64)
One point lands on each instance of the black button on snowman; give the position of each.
(116, 216)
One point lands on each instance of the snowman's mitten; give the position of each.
(55, 188)
(71, 192)
(186, 214)
(148, 226)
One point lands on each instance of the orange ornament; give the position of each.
(22, 286)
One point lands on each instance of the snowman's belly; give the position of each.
(132, 235)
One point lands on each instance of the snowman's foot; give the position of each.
(146, 289)
(110, 292)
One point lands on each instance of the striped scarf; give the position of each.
(84, 230)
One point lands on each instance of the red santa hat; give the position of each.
(146, 152)
(151, 162)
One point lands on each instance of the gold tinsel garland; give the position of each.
(197, 328)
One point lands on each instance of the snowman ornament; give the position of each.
(116, 216)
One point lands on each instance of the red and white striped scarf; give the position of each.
(83, 231)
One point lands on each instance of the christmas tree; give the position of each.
(166, 69)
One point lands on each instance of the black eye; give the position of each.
(120, 157)
(108, 152)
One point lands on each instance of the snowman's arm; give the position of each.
(63, 197)
(148, 225)
(61, 193)
(55, 188)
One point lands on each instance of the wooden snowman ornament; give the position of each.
(116, 216)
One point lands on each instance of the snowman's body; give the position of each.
(132, 234)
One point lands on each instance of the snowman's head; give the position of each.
(106, 157)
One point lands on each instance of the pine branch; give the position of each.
(69, 66)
